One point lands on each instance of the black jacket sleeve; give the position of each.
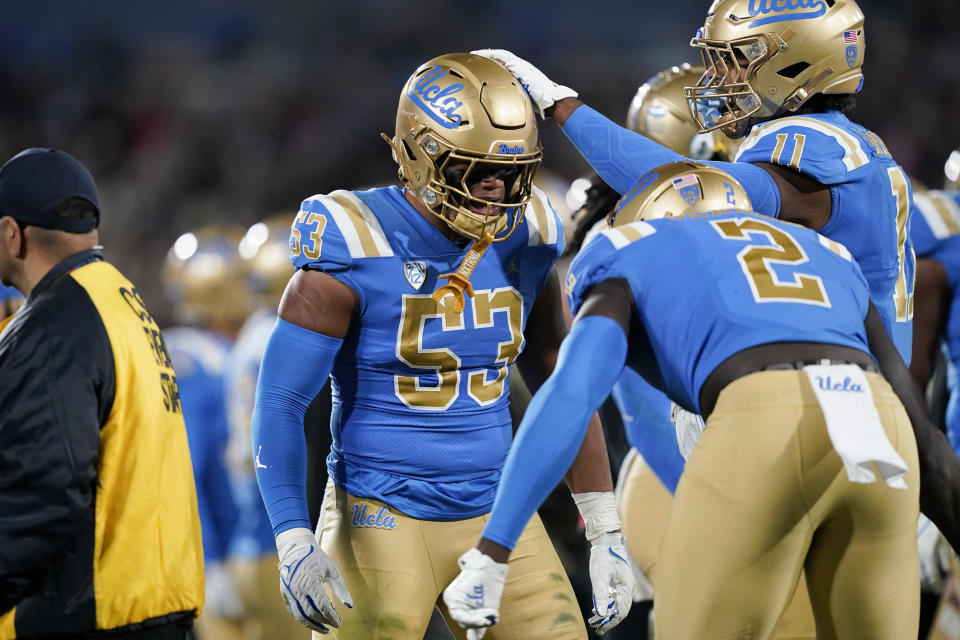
(52, 380)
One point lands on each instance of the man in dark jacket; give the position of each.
(98, 514)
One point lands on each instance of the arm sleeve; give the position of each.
(590, 360)
(50, 428)
(296, 364)
(622, 157)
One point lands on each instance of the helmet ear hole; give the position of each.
(408, 151)
(793, 70)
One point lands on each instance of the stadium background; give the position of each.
(213, 111)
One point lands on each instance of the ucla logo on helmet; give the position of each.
(780, 10)
(439, 102)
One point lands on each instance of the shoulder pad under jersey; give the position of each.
(598, 260)
(542, 223)
(332, 231)
(818, 148)
(936, 217)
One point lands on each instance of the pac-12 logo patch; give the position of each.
(689, 188)
(416, 273)
(851, 55)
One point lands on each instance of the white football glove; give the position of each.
(612, 580)
(610, 574)
(934, 552)
(542, 90)
(220, 594)
(473, 598)
(689, 426)
(304, 570)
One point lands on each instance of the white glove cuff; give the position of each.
(286, 538)
(476, 560)
(599, 511)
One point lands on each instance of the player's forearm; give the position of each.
(283, 394)
(619, 155)
(553, 428)
(590, 470)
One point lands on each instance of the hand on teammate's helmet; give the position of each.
(542, 90)
(473, 598)
(612, 580)
(304, 570)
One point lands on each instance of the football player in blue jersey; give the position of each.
(650, 472)
(767, 329)
(203, 279)
(253, 561)
(782, 76)
(418, 300)
(935, 233)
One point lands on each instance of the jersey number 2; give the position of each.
(756, 263)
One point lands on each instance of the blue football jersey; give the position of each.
(936, 235)
(645, 411)
(420, 393)
(199, 357)
(710, 286)
(872, 200)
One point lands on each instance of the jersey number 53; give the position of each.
(485, 305)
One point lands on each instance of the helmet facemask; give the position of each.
(724, 98)
(451, 185)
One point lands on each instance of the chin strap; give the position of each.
(460, 281)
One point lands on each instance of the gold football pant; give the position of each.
(763, 497)
(265, 615)
(644, 504)
(396, 570)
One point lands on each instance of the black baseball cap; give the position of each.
(36, 181)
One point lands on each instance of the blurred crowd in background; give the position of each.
(191, 113)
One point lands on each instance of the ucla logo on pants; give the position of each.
(829, 384)
(379, 520)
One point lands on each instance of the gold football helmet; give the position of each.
(203, 278)
(680, 188)
(659, 111)
(265, 249)
(461, 118)
(765, 59)
(951, 171)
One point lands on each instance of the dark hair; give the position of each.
(75, 209)
(601, 199)
(843, 102)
